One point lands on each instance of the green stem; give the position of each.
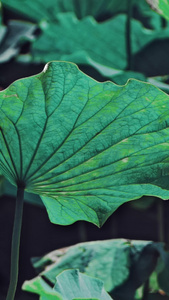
(16, 244)
(128, 35)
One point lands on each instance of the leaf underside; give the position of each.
(85, 147)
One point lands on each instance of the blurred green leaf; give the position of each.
(70, 285)
(153, 282)
(160, 6)
(12, 38)
(122, 76)
(48, 10)
(113, 255)
(69, 40)
(147, 16)
(40, 287)
(122, 265)
(159, 84)
(118, 76)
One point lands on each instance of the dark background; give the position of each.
(39, 236)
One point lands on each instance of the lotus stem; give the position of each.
(16, 244)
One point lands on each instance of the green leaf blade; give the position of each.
(68, 39)
(122, 265)
(161, 7)
(48, 10)
(70, 285)
(12, 38)
(79, 285)
(40, 287)
(113, 255)
(85, 147)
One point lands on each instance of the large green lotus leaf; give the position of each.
(70, 285)
(69, 40)
(48, 10)
(160, 6)
(123, 266)
(12, 38)
(85, 147)
(113, 270)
